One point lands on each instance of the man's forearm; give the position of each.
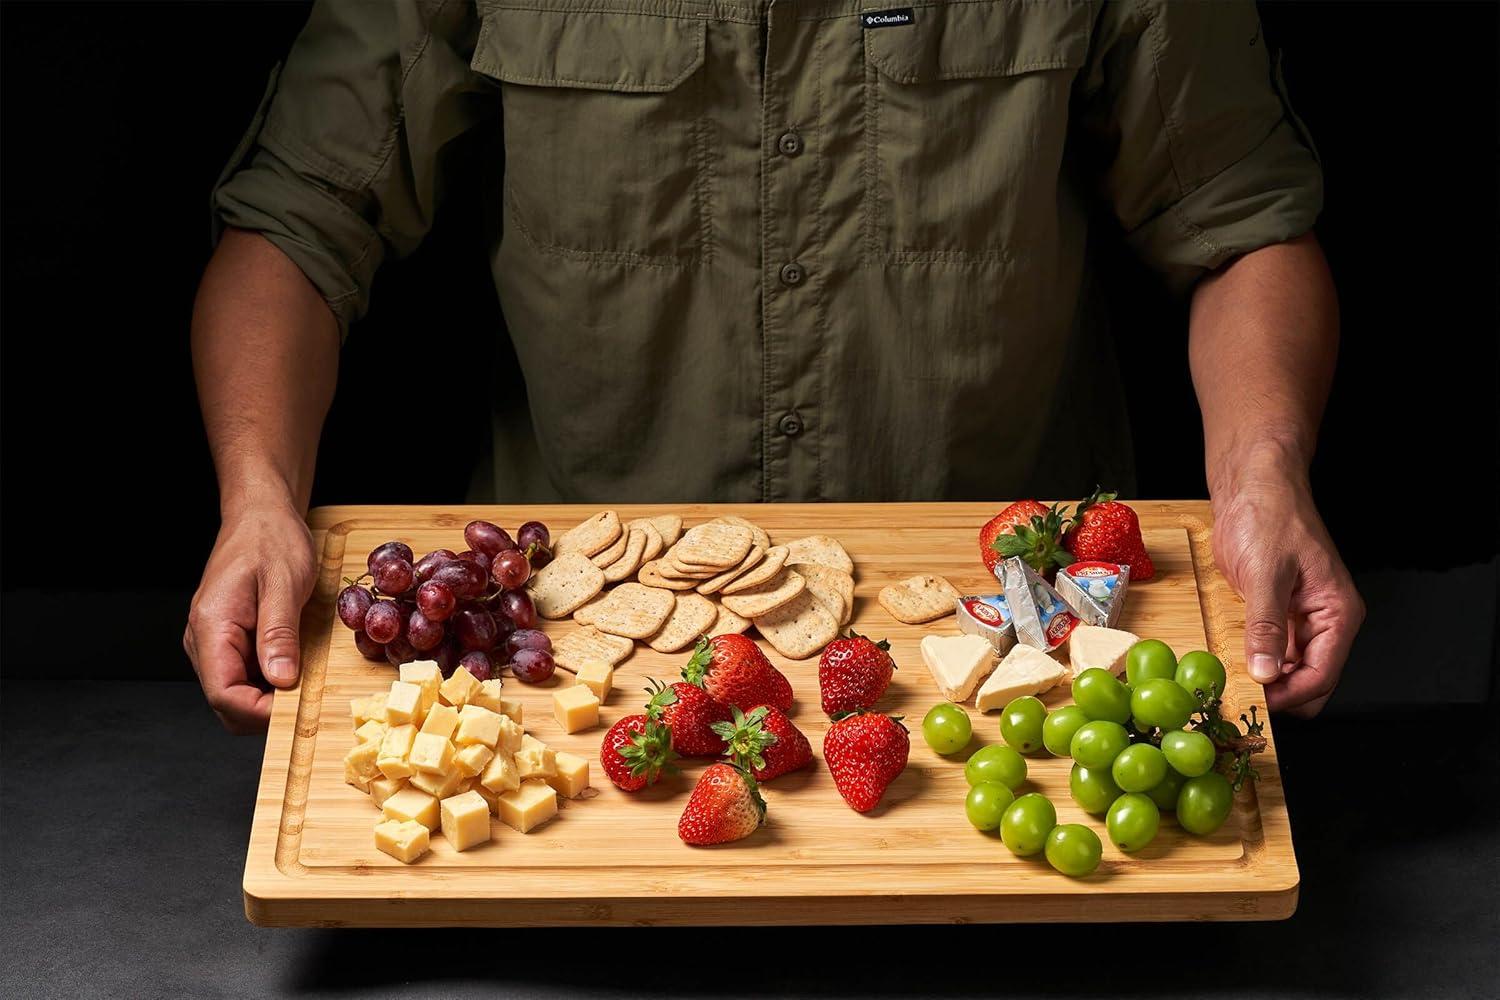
(265, 357)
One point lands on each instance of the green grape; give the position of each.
(1027, 823)
(1165, 792)
(987, 803)
(1204, 803)
(1190, 752)
(1021, 724)
(1200, 671)
(1093, 789)
(1101, 696)
(1147, 659)
(1098, 743)
(1058, 730)
(1132, 822)
(1073, 849)
(996, 763)
(1139, 768)
(1162, 703)
(946, 728)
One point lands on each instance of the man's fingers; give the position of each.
(1268, 593)
(243, 709)
(276, 631)
(221, 652)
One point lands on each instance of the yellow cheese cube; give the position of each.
(360, 767)
(489, 797)
(413, 805)
(431, 753)
(459, 688)
(529, 806)
(478, 725)
(395, 749)
(529, 742)
(440, 785)
(572, 775)
(406, 842)
(488, 695)
(511, 734)
(403, 706)
(441, 720)
(500, 773)
(536, 763)
(426, 675)
(598, 676)
(512, 709)
(575, 708)
(365, 709)
(371, 732)
(383, 788)
(465, 820)
(472, 759)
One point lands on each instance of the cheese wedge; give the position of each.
(957, 662)
(1105, 648)
(1025, 670)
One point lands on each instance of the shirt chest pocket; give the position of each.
(965, 121)
(603, 121)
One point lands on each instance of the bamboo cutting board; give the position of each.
(614, 858)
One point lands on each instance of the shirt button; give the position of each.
(792, 274)
(790, 143)
(790, 425)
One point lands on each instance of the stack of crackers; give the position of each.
(649, 580)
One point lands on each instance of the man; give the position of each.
(785, 251)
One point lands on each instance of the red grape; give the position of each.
(477, 662)
(428, 564)
(380, 553)
(383, 621)
(510, 569)
(423, 633)
(435, 600)
(485, 537)
(446, 656)
(353, 603)
(477, 558)
(466, 579)
(532, 666)
(527, 638)
(399, 651)
(539, 555)
(474, 628)
(532, 532)
(516, 605)
(368, 648)
(393, 575)
(503, 628)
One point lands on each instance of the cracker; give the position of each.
(769, 566)
(715, 584)
(769, 596)
(651, 578)
(592, 536)
(655, 546)
(831, 588)
(584, 615)
(799, 628)
(612, 552)
(668, 566)
(757, 533)
(628, 564)
(578, 647)
(823, 550)
(728, 623)
(714, 545)
(670, 528)
(634, 611)
(919, 599)
(564, 585)
(691, 616)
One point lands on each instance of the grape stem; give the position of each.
(1235, 747)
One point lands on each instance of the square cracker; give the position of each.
(715, 584)
(584, 613)
(564, 585)
(769, 596)
(919, 599)
(651, 578)
(669, 566)
(592, 536)
(611, 552)
(831, 588)
(824, 550)
(799, 628)
(691, 616)
(669, 526)
(578, 647)
(634, 610)
(728, 623)
(655, 545)
(714, 545)
(769, 566)
(629, 563)
(757, 533)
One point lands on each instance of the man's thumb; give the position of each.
(1266, 603)
(276, 635)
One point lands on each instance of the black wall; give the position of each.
(117, 118)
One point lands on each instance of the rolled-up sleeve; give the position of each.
(1191, 142)
(340, 166)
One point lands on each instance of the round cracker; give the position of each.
(769, 596)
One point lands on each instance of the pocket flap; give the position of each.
(589, 50)
(970, 40)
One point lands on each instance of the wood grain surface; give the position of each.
(614, 858)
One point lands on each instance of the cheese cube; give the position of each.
(1104, 648)
(529, 742)
(459, 688)
(1025, 670)
(572, 775)
(426, 675)
(472, 759)
(441, 720)
(576, 708)
(414, 805)
(365, 709)
(957, 662)
(383, 788)
(489, 797)
(511, 734)
(500, 774)
(529, 806)
(598, 676)
(440, 785)
(465, 820)
(512, 709)
(395, 749)
(360, 767)
(371, 732)
(431, 753)
(532, 762)
(406, 842)
(403, 706)
(488, 696)
(477, 725)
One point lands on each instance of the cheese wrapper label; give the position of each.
(1095, 591)
(1042, 619)
(988, 616)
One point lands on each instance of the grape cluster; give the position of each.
(466, 609)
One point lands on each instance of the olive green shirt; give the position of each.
(788, 251)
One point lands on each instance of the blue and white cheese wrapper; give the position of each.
(987, 615)
(1095, 591)
(1042, 618)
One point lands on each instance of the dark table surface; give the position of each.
(126, 811)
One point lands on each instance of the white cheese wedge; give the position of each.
(957, 662)
(1025, 670)
(1105, 648)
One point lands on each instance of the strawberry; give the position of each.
(853, 673)
(690, 713)
(1108, 531)
(865, 752)
(725, 805)
(765, 741)
(1029, 530)
(1004, 523)
(734, 670)
(635, 752)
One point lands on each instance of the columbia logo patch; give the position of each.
(888, 18)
